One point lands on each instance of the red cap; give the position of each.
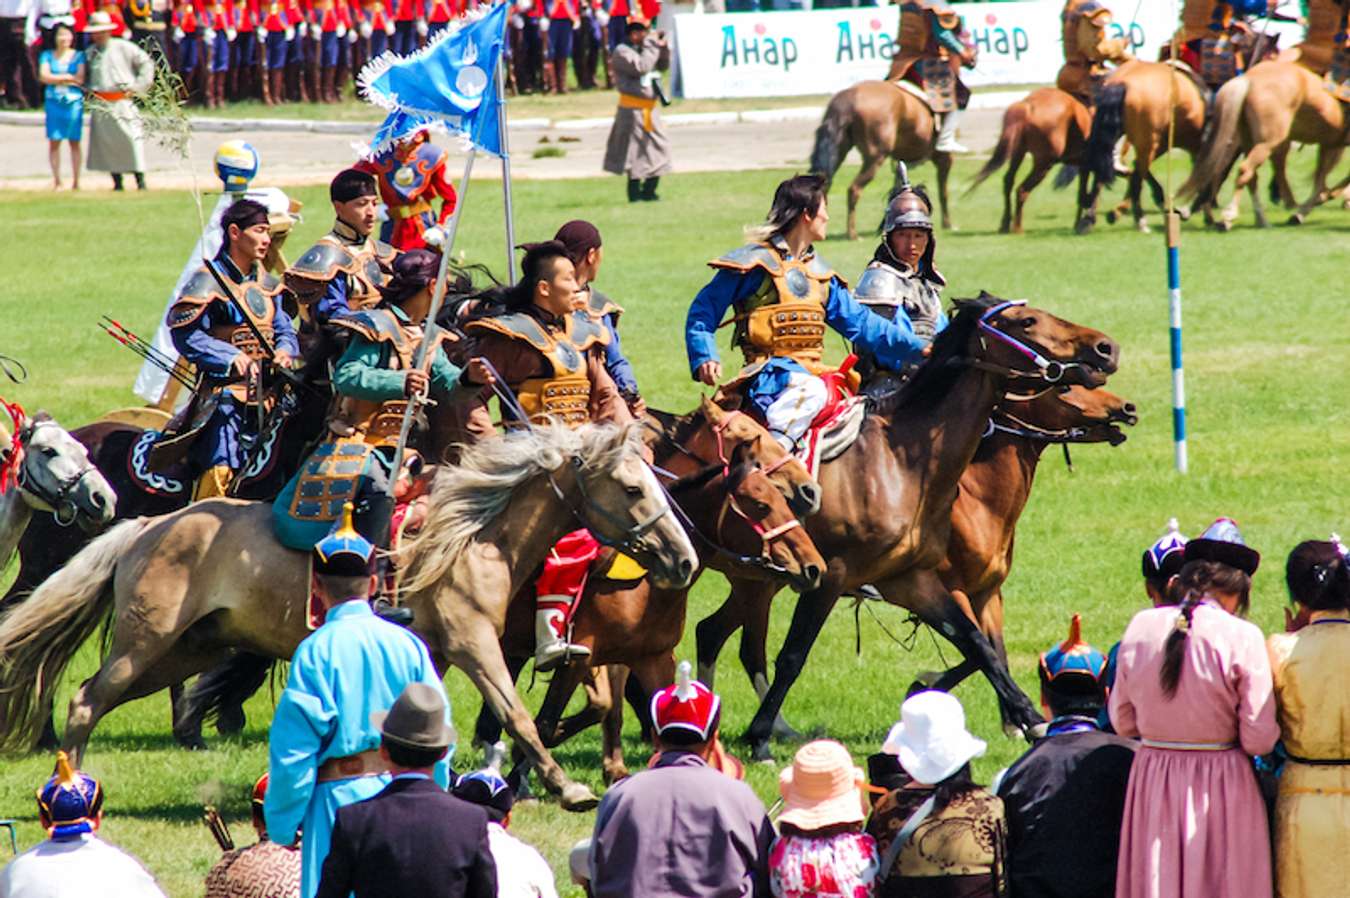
(687, 705)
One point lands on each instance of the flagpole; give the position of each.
(506, 166)
(430, 328)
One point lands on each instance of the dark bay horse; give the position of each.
(884, 121)
(887, 501)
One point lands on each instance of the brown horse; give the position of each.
(185, 588)
(1261, 114)
(1139, 100)
(886, 513)
(993, 491)
(1051, 125)
(883, 121)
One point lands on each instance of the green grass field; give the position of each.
(1266, 342)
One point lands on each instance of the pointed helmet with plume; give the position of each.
(908, 208)
(686, 705)
(1163, 559)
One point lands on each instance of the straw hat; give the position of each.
(822, 787)
(931, 740)
(99, 21)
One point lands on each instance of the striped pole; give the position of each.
(1174, 318)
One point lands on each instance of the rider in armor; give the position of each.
(1087, 49)
(373, 381)
(552, 355)
(784, 296)
(218, 332)
(344, 270)
(1214, 37)
(930, 53)
(1324, 39)
(901, 276)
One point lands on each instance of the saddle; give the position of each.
(917, 92)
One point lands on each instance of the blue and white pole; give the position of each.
(1174, 320)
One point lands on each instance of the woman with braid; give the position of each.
(1194, 684)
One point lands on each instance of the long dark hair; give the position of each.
(1196, 579)
(537, 265)
(797, 196)
(1318, 576)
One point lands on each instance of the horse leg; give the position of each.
(1258, 206)
(865, 175)
(1039, 169)
(943, 163)
(615, 679)
(560, 690)
(807, 619)
(1327, 158)
(754, 654)
(487, 729)
(1005, 225)
(1088, 189)
(1283, 190)
(1135, 196)
(711, 635)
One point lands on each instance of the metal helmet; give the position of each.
(907, 208)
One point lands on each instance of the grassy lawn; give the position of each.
(1266, 343)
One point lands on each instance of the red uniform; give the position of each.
(411, 177)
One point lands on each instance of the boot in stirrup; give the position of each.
(551, 650)
(946, 141)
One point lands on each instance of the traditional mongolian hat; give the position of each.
(1163, 559)
(344, 552)
(99, 21)
(688, 705)
(1223, 543)
(822, 787)
(931, 739)
(486, 788)
(1073, 661)
(70, 800)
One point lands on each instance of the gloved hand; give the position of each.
(601, 18)
(289, 33)
(434, 237)
(178, 35)
(316, 31)
(260, 33)
(209, 36)
(231, 34)
(365, 30)
(422, 29)
(340, 31)
(389, 28)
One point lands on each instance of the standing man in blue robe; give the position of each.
(323, 748)
(784, 296)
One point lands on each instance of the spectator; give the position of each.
(638, 146)
(563, 19)
(822, 851)
(262, 870)
(412, 839)
(74, 862)
(1075, 774)
(46, 15)
(522, 872)
(952, 845)
(1195, 684)
(61, 69)
(1312, 810)
(118, 70)
(681, 829)
(16, 66)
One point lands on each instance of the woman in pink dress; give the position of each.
(1194, 683)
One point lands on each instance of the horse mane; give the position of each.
(469, 496)
(935, 377)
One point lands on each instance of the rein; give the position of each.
(13, 457)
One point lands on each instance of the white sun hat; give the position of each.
(931, 739)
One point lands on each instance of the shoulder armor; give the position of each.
(819, 269)
(199, 292)
(517, 326)
(376, 325)
(384, 252)
(599, 305)
(880, 283)
(432, 155)
(586, 331)
(750, 256)
(270, 284)
(321, 262)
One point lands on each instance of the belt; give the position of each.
(1187, 746)
(111, 96)
(646, 104)
(366, 763)
(410, 210)
(1321, 762)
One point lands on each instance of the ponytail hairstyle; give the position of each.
(1191, 585)
(539, 264)
(1318, 575)
(797, 196)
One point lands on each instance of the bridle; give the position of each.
(767, 535)
(1043, 369)
(55, 499)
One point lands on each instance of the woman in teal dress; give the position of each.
(62, 70)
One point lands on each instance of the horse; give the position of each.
(1050, 124)
(1139, 100)
(1260, 114)
(748, 528)
(886, 512)
(186, 588)
(883, 120)
(993, 490)
(45, 470)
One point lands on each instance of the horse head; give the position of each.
(55, 475)
(624, 506)
(1030, 342)
(736, 431)
(1070, 414)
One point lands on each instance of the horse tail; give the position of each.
(1107, 127)
(1221, 138)
(227, 685)
(40, 635)
(826, 155)
(1014, 122)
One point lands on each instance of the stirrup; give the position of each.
(558, 654)
(395, 614)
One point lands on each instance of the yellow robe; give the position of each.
(1312, 812)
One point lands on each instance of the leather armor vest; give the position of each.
(786, 316)
(257, 302)
(883, 286)
(365, 265)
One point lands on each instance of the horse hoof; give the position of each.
(191, 743)
(1082, 226)
(1012, 730)
(760, 753)
(615, 772)
(1111, 218)
(924, 680)
(576, 797)
(1184, 213)
(1296, 219)
(230, 721)
(1143, 228)
(1036, 731)
(785, 732)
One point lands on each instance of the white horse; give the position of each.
(44, 468)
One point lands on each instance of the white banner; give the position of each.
(776, 54)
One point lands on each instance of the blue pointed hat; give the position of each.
(1164, 558)
(1073, 657)
(70, 800)
(486, 788)
(344, 552)
(1223, 543)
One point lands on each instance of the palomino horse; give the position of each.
(44, 469)
(1138, 100)
(883, 121)
(1261, 113)
(186, 588)
(886, 512)
(994, 489)
(1052, 126)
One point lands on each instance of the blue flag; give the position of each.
(451, 80)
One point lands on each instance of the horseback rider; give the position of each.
(931, 53)
(373, 380)
(784, 296)
(344, 270)
(901, 276)
(552, 355)
(411, 177)
(1324, 38)
(1214, 37)
(1087, 49)
(228, 329)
